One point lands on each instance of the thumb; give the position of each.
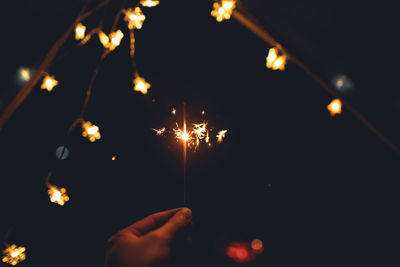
(177, 222)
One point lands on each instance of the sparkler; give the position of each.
(159, 131)
(221, 135)
(13, 254)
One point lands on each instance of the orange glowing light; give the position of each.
(80, 31)
(104, 40)
(141, 85)
(159, 131)
(335, 107)
(221, 135)
(223, 10)
(134, 18)
(182, 134)
(240, 252)
(48, 83)
(203, 112)
(275, 61)
(257, 246)
(57, 195)
(115, 38)
(90, 131)
(13, 254)
(113, 157)
(25, 74)
(173, 111)
(149, 3)
(207, 139)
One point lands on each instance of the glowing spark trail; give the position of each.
(160, 131)
(221, 135)
(13, 254)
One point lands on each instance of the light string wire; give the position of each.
(243, 17)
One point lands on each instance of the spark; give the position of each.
(57, 195)
(207, 139)
(90, 131)
(275, 61)
(80, 31)
(221, 135)
(159, 131)
(48, 83)
(149, 3)
(335, 107)
(141, 85)
(13, 254)
(134, 18)
(223, 11)
(183, 135)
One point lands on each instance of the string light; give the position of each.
(221, 135)
(275, 61)
(223, 10)
(80, 31)
(140, 84)
(24, 74)
(48, 83)
(149, 3)
(115, 38)
(335, 107)
(57, 195)
(134, 18)
(113, 158)
(13, 254)
(104, 40)
(90, 131)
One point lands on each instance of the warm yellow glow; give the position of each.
(80, 31)
(207, 139)
(335, 107)
(183, 135)
(223, 10)
(57, 195)
(134, 18)
(257, 246)
(149, 3)
(173, 111)
(48, 83)
(159, 131)
(113, 157)
(90, 131)
(221, 135)
(13, 254)
(274, 61)
(141, 85)
(115, 38)
(203, 112)
(25, 74)
(104, 40)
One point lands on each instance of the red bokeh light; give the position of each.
(240, 252)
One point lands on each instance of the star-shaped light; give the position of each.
(134, 18)
(57, 195)
(223, 10)
(275, 61)
(48, 83)
(141, 85)
(80, 31)
(13, 254)
(90, 131)
(335, 107)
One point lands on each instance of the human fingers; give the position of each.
(181, 219)
(150, 222)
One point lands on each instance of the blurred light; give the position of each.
(90, 131)
(335, 107)
(104, 40)
(149, 3)
(257, 246)
(240, 252)
(223, 10)
(48, 83)
(141, 85)
(173, 111)
(275, 61)
(58, 195)
(342, 83)
(62, 152)
(134, 18)
(80, 31)
(113, 157)
(115, 38)
(203, 112)
(24, 74)
(13, 254)
(221, 135)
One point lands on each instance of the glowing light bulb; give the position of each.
(257, 246)
(13, 254)
(335, 107)
(149, 3)
(223, 10)
(48, 83)
(134, 18)
(90, 131)
(115, 38)
(80, 31)
(113, 158)
(221, 135)
(104, 40)
(57, 195)
(274, 61)
(25, 74)
(141, 85)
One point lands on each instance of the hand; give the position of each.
(146, 242)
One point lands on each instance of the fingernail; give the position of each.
(187, 213)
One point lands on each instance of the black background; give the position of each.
(318, 190)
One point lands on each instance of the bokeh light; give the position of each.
(240, 252)
(342, 83)
(62, 152)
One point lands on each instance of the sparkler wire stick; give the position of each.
(184, 156)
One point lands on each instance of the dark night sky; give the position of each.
(334, 185)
